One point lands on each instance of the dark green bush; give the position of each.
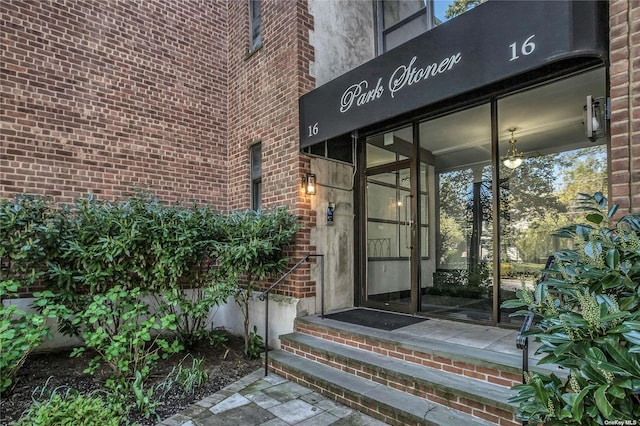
(139, 243)
(588, 322)
(104, 263)
(29, 239)
(30, 233)
(20, 333)
(253, 249)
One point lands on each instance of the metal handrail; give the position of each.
(522, 340)
(264, 296)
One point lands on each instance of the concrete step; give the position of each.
(374, 399)
(503, 369)
(456, 391)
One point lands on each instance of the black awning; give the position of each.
(495, 41)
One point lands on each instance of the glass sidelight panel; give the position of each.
(459, 283)
(558, 162)
(463, 282)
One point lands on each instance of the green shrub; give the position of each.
(141, 243)
(20, 333)
(192, 309)
(29, 230)
(120, 328)
(102, 262)
(507, 269)
(588, 322)
(256, 344)
(29, 234)
(70, 408)
(521, 270)
(253, 248)
(452, 281)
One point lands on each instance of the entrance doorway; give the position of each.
(398, 238)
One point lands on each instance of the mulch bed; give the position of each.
(225, 364)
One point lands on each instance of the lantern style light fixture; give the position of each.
(309, 183)
(513, 158)
(595, 118)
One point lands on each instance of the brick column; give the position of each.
(264, 87)
(624, 35)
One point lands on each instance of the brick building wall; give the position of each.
(624, 34)
(103, 96)
(264, 87)
(110, 96)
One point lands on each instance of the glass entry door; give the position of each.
(389, 237)
(396, 232)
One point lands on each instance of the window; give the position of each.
(255, 25)
(256, 176)
(461, 275)
(401, 20)
(497, 237)
(541, 195)
(339, 148)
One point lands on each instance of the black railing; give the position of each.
(265, 297)
(522, 340)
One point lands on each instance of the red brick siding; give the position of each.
(495, 415)
(459, 403)
(624, 42)
(264, 88)
(339, 396)
(108, 96)
(499, 377)
(102, 96)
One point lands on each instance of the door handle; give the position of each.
(408, 223)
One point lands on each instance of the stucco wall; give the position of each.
(343, 37)
(282, 313)
(335, 185)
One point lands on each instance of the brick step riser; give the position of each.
(469, 406)
(499, 377)
(345, 398)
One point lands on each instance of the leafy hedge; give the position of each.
(588, 322)
(29, 238)
(126, 275)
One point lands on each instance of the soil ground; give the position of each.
(224, 364)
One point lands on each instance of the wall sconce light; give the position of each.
(595, 118)
(309, 183)
(513, 159)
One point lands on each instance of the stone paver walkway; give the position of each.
(268, 401)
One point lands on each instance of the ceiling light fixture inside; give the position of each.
(513, 159)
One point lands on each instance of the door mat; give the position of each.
(375, 319)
